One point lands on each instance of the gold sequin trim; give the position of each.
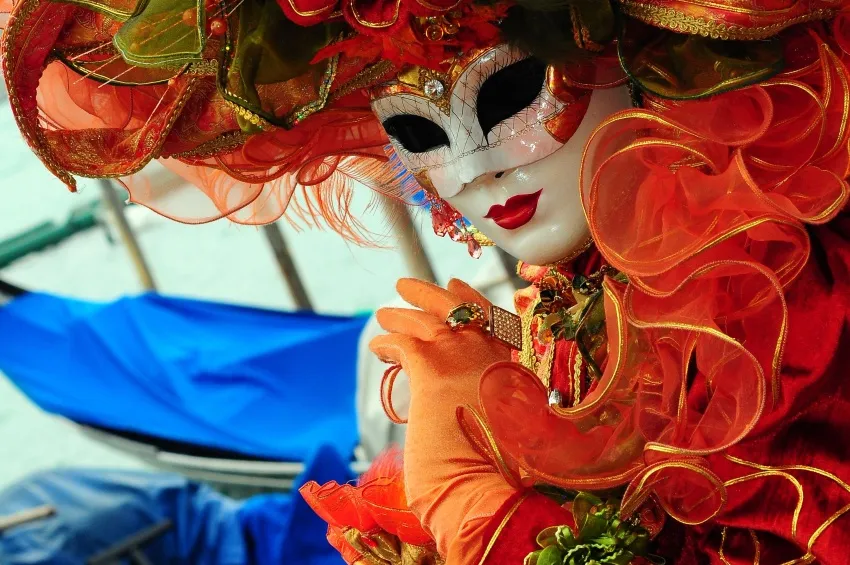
(222, 144)
(248, 115)
(365, 78)
(674, 20)
(299, 114)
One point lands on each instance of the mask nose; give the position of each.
(483, 178)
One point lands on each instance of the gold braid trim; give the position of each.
(675, 20)
(528, 357)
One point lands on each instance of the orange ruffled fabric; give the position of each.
(703, 205)
(377, 504)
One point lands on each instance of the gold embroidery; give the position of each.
(206, 67)
(377, 25)
(83, 70)
(677, 21)
(604, 387)
(32, 132)
(111, 11)
(310, 13)
(528, 357)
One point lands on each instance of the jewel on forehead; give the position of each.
(434, 89)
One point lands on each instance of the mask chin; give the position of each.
(546, 255)
(543, 245)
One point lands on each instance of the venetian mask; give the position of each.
(500, 138)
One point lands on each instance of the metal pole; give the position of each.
(25, 517)
(408, 240)
(287, 266)
(510, 264)
(127, 236)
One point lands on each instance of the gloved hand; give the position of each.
(451, 486)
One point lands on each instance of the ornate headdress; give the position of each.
(254, 100)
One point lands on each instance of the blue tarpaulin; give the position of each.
(96, 509)
(262, 383)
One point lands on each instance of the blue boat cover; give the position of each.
(266, 384)
(96, 509)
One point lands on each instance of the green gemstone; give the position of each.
(464, 315)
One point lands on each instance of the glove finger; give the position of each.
(410, 322)
(429, 297)
(467, 294)
(394, 348)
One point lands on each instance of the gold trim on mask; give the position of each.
(413, 80)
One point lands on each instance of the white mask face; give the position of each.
(504, 149)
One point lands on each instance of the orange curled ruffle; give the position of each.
(376, 504)
(703, 204)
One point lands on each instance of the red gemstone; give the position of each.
(190, 17)
(217, 26)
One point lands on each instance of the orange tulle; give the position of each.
(703, 205)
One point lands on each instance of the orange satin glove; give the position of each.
(451, 487)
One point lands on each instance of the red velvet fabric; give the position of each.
(517, 537)
(810, 426)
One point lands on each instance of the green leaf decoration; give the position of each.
(163, 33)
(548, 537)
(565, 538)
(602, 537)
(552, 555)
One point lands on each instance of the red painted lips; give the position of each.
(516, 212)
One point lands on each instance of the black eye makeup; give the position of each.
(509, 91)
(415, 133)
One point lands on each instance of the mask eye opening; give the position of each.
(415, 133)
(509, 91)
